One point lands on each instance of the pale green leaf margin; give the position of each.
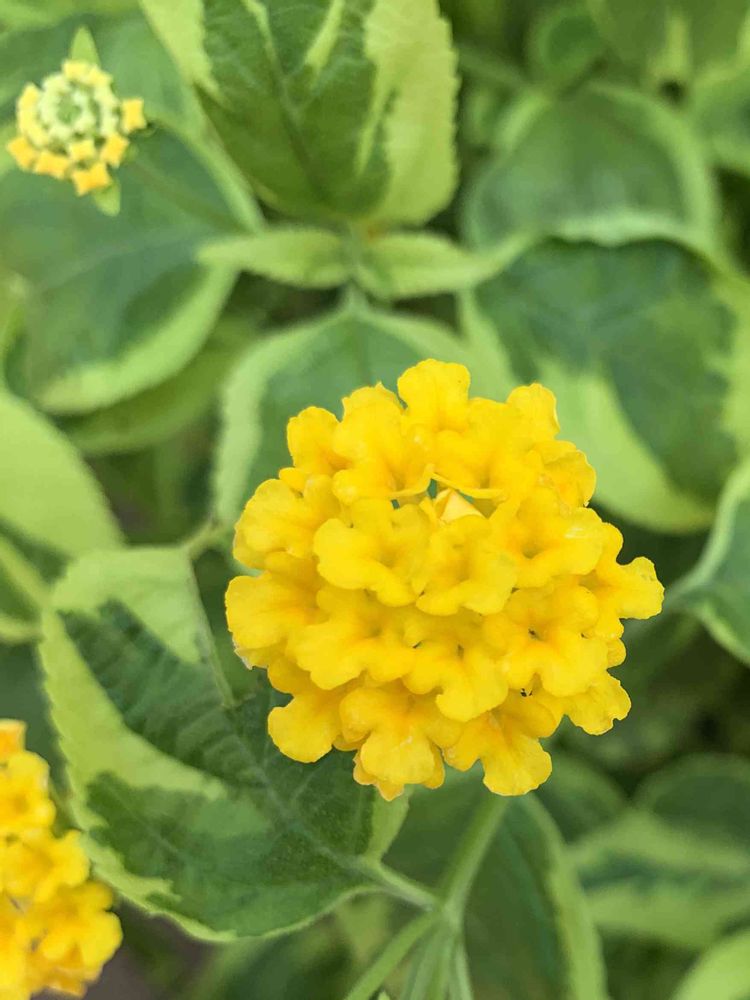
(721, 973)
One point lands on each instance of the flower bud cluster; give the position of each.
(74, 127)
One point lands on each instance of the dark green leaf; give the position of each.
(23, 698)
(189, 809)
(86, 349)
(578, 796)
(328, 87)
(644, 346)
(718, 590)
(676, 868)
(671, 39)
(564, 45)
(603, 163)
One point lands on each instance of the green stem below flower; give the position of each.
(403, 888)
(460, 874)
(440, 961)
(391, 956)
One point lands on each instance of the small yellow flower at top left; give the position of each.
(74, 127)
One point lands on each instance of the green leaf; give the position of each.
(311, 963)
(83, 47)
(409, 265)
(500, 28)
(157, 414)
(18, 623)
(179, 24)
(477, 17)
(51, 509)
(32, 14)
(578, 797)
(528, 933)
(142, 67)
(723, 973)
(563, 45)
(642, 970)
(718, 590)
(390, 266)
(109, 201)
(675, 868)
(295, 255)
(30, 53)
(85, 349)
(314, 364)
(12, 296)
(671, 40)
(718, 107)
(344, 97)
(23, 699)
(603, 163)
(615, 332)
(190, 811)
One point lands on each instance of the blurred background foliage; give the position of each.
(598, 241)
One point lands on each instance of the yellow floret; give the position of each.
(82, 151)
(380, 550)
(133, 117)
(96, 77)
(29, 97)
(310, 440)
(24, 800)
(75, 70)
(23, 152)
(430, 586)
(52, 164)
(39, 864)
(113, 149)
(94, 178)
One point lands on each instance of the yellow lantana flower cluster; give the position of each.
(55, 931)
(74, 127)
(433, 587)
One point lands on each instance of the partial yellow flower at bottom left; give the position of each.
(56, 931)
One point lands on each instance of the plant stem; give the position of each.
(431, 968)
(434, 969)
(403, 888)
(461, 988)
(208, 535)
(394, 952)
(460, 874)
